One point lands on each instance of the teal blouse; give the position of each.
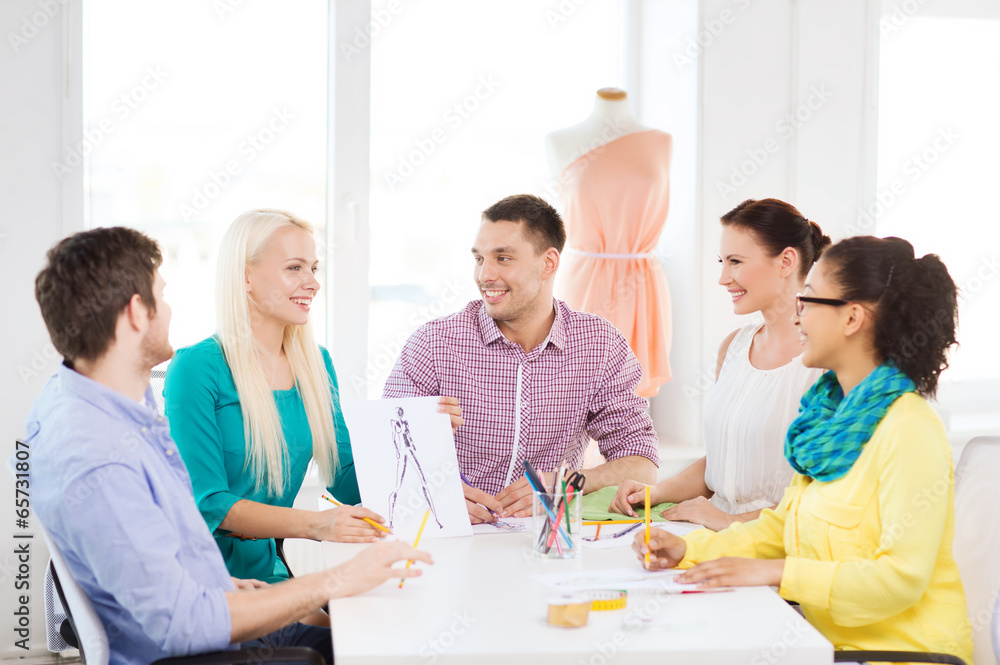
(206, 422)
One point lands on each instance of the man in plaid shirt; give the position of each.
(528, 378)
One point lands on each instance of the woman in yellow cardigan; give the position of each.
(862, 539)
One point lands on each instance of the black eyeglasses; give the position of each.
(801, 299)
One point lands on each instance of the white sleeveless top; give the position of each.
(746, 417)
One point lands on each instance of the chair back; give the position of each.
(977, 539)
(76, 605)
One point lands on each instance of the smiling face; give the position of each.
(513, 277)
(752, 278)
(282, 284)
(821, 325)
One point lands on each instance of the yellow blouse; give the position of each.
(868, 556)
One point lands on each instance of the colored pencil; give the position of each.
(606, 522)
(370, 521)
(647, 526)
(415, 543)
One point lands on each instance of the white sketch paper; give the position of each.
(404, 455)
(629, 579)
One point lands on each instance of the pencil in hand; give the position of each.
(646, 516)
(366, 519)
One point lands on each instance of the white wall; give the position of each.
(31, 138)
(760, 63)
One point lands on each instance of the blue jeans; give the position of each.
(297, 635)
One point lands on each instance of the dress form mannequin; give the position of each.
(614, 186)
(610, 119)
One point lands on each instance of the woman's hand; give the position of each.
(372, 567)
(344, 524)
(735, 571)
(699, 511)
(630, 493)
(665, 549)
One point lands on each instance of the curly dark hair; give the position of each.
(915, 300)
(778, 225)
(88, 280)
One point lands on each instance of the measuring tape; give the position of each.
(607, 600)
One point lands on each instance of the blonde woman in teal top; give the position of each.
(251, 406)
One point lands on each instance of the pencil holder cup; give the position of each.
(556, 525)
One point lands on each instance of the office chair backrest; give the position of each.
(977, 538)
(78, 608)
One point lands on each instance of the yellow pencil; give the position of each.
(606, 522)
(415, 543)
(646, 517)
(370, 521)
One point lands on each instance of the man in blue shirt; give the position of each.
(112, 490)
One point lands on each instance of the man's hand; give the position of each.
(248, 585)
(735, 571)
(630, 493)
(479, 504)
(344, 525)
(451, 406)
(699, 511)
(665, 549)
(372, 567)
(516, 497)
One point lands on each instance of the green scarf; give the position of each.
(831, 430)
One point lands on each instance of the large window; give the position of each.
(463, 94)
(938, 144)
(195, 112)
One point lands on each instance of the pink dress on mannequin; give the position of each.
(615, 201)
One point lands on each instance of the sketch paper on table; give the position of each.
(607, 540)
(627, 579)
(404, 455)
(505, 525)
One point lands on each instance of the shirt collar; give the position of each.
(557, 333)
(110, 401)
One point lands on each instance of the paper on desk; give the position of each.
(505, 525)
(608, 541)
(627, 579)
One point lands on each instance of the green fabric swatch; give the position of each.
(596, 504)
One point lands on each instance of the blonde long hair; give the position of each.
(267, 452)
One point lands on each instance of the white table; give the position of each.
(479, 604)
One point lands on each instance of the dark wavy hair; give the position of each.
(88, 280)
(778, 225)
(915, 300)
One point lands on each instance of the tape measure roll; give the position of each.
(602, 600)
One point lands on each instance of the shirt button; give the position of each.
(143, 430)
(159, 419)
(170, 451)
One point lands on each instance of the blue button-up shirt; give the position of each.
(109, 486)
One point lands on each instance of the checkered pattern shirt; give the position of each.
(542, 406)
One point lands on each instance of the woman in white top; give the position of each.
(766, 250)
